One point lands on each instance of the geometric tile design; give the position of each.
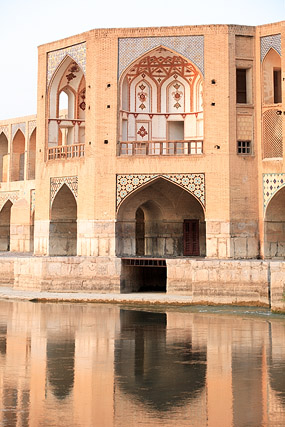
(5, 130)
(194, 183)
(32, 126)
(33, 201)
(272, 182)
(76, 52)
(268, 42)
(57, 183)
(191, 47)
(8, 195)
(16, 127)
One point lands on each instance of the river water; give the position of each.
(107, 365)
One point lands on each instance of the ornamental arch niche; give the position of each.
(3, 157)
(274, 226)
(66, 116)
(18, 156)
(5, 219)
(271, 70)
(164, 209)
(159, 104)
(63, 224)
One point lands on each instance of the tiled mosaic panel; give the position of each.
(193, 183)
(16, 127)
(266, 43)
(5, 130)
(192, 47)
(33, 201)
(8, 195)
(76, 52)
(272, 182)
(32, 126)
(57, 183)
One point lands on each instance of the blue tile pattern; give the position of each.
(193, 183)
(131, 48)
(267, 42)
(272, 182)
(76, 52)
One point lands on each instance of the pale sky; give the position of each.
(26, 24)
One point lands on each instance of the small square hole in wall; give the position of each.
(109, 85)
(108, 106)
(106, 141)
(213, 104)
(213, 82)
(244, 147)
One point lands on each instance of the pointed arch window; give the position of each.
(160, 90)
(66, 123)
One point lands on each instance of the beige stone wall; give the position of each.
(219, 282)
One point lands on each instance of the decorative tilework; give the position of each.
(266, 43)
(192, 47)
(32, 126)
(76, 52)
(8, 195)
(272, 182)
(16, 127)
(193, 183)
(33, 200)
(57, 183)
(5, 130)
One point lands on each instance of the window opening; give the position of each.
(244, 147)
(277, 86)
(241, 86)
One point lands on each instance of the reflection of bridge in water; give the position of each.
(69, 364)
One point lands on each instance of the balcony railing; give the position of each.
(66, 151)
(161, 148)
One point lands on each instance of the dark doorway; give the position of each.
(143, 275)
(140, 232)
(191, 237)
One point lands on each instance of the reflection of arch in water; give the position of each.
(60, 366)
(276, 369)
(3, 339)
(161, 375)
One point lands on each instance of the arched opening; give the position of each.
(60, 366)
(156, 363)
(67, 110)
(18, 157)
(274, 226)
(3, 157)
(271, 68)
(32, 155)
(165, 207)
(161, 110)
(63, 224)
(5, 219)
(151, 226)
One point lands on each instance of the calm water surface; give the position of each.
(101, 365)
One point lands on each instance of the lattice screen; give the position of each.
(272, 134)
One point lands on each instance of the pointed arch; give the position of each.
(155, 71)
(32, 155)
(274, 225)
(3, 157)
(165, 207)
(271, 71)
(192, 183)
(5, 219)
(67, 129)
(63, 223)
(18, 156)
